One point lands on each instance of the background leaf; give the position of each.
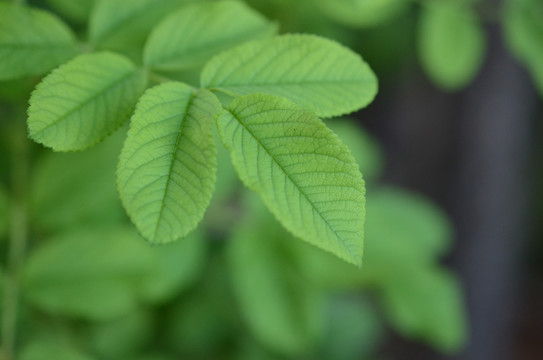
(192, 35)
(167, 168)
(47, 350)
(284, 312)
(365, 149)
(122, 338)
(523, 24)
(103, 88)
(178, 265)
(32, 41)
(354, 330)
(69, 190)
(314, 72)
(362, 13)
(426, 303)
(302, 171)
(451, 43)
(90, 274)
(76, 10)
(124, 25)
(421, 231)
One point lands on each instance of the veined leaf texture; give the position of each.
(83, 101)
(318, 74)
(167, 168)
(306, 176)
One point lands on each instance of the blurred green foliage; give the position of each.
(242, 287)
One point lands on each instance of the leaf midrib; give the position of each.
(296, 185)
(172, 162)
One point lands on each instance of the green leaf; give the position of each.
(354, 330)
(201, 323)
(192, 35)
(314, 72)
(76, 10)
(4, 212)
(362, 13)
(94, 274)
(122, 338)
(427, 304)
(73, 189)
(32, 41)
(283, 311)
(178, 265)
(124, 25)
(421, 231)
(48, 349)
(403, 230)
(523, 24)
(302, 171)
(167, 168)
(83, 101)
(365, 149)
(451, 43)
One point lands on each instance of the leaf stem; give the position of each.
(17, 241)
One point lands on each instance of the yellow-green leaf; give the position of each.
(83, 101)
(300, 168)
(166, 173)
(192, 35)
(32, 41)
(317, 73)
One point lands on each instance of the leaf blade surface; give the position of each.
(32, 41)
(83, 101)
(300, 168)
(167, 168)
(314, 72)
(192, 35)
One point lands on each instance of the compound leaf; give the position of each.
(32, 41)
(166, 173)
(451, 43)
(83, 101)
(300, 168)
(191, 36)
(317, 73)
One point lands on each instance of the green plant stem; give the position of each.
(17, 241)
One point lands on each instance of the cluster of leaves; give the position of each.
(229, 289)
(450, 37)
(273, 90)
(239, 290)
